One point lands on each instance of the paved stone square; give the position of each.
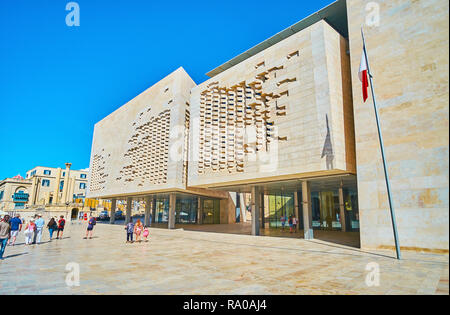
(192, 262)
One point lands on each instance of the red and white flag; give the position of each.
(363, 75)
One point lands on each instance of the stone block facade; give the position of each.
(408, 55)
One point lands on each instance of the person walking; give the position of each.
(130, 230)
(40, 223)
(283, 221)
(138, 230)
(5, 230)
(61, 225)
(90, 227)
(29, 232)
(52, 227)
(16, 227)
(294, 224)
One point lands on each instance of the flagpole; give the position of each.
(380, 137)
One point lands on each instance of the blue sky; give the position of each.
(57, 81)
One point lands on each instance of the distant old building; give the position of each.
(14, 193)
(43, 186)
(56, 185)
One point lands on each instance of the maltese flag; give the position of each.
(363, 75)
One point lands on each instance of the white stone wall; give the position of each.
(408, 54)
(290, 90)
(139, 148)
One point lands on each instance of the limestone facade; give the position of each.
(130, 149)
(293, 112)
(285, 112)
(408, 55)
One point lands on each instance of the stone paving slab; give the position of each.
(191, 262)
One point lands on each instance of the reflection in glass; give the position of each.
(211, 211)
(162, 210)
(281, 207)
(186, 210)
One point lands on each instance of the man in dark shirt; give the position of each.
(90, 227)
(16, 227)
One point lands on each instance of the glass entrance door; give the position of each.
(162, 211)
(325, 210)
(211, 211)
(281, 207)
(186, 211)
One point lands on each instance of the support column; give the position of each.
(342, 209)
(112, 217)
(32, 200)
(172, 205)
(256, 208)
(128, 214)
(200, 211)
(263, 209)
(296, 209)
(154, 210)
(56, 191)
(148, 207)
(243, 205)
(47, 198)
(38, 192)
(307, 211)
(66, 183)
(71, 190)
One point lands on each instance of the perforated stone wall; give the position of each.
(148, 151)
(226, 110)
(281, 113)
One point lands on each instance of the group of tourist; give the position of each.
(292, 221)
(138, 229)
(11, 227)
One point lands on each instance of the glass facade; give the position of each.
(211, 211)
(186, 210)
(326, 210)
(162, 211)
(351, 209)
(280, 206)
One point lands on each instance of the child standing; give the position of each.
(146, 233)
(130, 229)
